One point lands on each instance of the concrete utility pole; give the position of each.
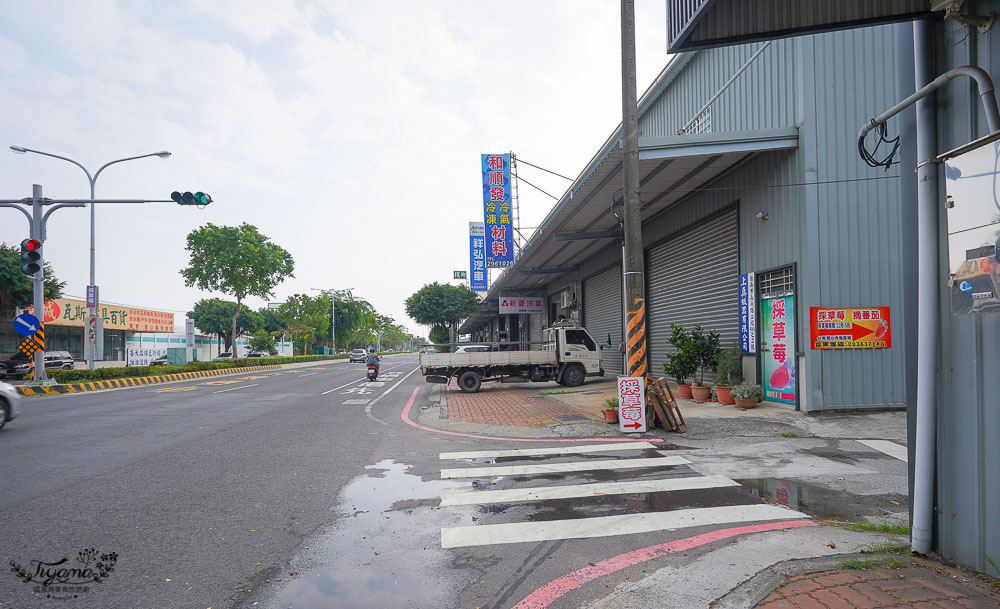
(635, 302)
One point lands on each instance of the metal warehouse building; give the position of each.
(748, 164)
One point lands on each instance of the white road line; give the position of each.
(557, 468)
(608, 526)
(342, 386)
(310, 374)
(558, 450)
(885, 446)
(368, 408)
(585, 490)
(235, 388)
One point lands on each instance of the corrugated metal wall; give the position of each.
(969, 410)
(535, 330)
(693, 279)
(602, 314)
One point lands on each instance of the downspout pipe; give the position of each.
(928, 310)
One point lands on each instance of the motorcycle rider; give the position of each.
(373, 359)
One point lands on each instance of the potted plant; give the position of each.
(610, 410)
(706, 350)
(728, 371)
(682, 363)
(747, 394)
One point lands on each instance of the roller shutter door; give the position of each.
(535, 330)
(602, 314)
(694, 280)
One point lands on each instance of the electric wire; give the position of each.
(535, 187)
(870, 158)
(520, 160)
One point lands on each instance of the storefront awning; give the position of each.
(670, 169)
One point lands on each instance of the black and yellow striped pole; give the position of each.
(635, 301)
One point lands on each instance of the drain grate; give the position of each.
(570, 417)
(591, 392)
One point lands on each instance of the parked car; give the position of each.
(19, 365)
(259, 354)
(160, 361)
(9, 399)
(474, 349)
(358, 355)
(225, 355)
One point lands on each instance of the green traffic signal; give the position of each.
(31, 256)
(188, 198)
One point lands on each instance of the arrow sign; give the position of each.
(856, 331)
(26, 324)
(634, 425)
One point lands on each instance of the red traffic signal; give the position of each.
(31, 245)
(31, 256)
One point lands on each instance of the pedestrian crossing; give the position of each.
(636, 477)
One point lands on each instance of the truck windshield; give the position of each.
(579, 337)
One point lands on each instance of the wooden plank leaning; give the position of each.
(672, 406)
(654, 399)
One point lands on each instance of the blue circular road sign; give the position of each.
(26, 324)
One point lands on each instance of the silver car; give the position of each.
(9, 400)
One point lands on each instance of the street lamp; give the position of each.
(163, 154)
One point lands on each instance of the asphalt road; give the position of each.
(307, 488)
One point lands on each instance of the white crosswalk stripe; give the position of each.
(664, 479)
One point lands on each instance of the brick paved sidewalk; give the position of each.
(497, 405)
(914, 587)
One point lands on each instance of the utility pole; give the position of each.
(635, 298)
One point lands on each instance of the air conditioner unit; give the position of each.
(565, 300)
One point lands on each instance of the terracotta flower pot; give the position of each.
(747, 403)
(701, 393)
(611, 416)
(684, 392)
(725, 396)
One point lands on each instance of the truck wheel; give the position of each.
(574, 376)
(469, 381)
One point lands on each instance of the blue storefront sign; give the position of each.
(748, 313)
(477, 257)
(496, 210)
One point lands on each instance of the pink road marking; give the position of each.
(413, 396)
(543, 597)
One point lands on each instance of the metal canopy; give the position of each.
(670, 168)
(697, 24)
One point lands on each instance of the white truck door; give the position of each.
(580, 347)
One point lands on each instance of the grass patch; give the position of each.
(857, 564)
(889, 527)
(560, 392)
(789, 434)
(894, 563)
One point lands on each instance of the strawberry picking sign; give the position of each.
(850, 328)
(631, 404)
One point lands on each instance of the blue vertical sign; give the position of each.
(748, 313)
(496, 211)
(477, 257)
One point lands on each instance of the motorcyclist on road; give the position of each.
(373, 359)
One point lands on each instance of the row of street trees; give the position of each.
(441, 306)
(241, 262)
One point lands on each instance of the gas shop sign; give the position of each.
(850, 328)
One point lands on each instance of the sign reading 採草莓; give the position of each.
(777, 331)
(850, 328)
(631, 404)
(477, 257)
(748, 313)
(72, 312)
(496, 211)
(521, 304)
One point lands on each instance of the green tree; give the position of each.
(235, 260)
(438, 335)
(215, 316)
(305, 317)
(440, 305)
(263, 341)
(16, 291)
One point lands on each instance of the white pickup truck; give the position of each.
(568, 356)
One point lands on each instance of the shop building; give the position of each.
(748, 165)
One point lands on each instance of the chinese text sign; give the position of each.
(496, 211)
(477, 257)
(777, 319)
(631, 404)
(850, 328)
(748, 313)
(521, 304)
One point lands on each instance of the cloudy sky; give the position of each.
(347, 132)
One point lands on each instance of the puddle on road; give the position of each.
(822, 502)
(384, 550)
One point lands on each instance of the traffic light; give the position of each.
(187, 198)
(31, 256)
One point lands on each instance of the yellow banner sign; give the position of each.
(72, 312)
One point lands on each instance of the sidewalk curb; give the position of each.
(134, 381)
(758, 587)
